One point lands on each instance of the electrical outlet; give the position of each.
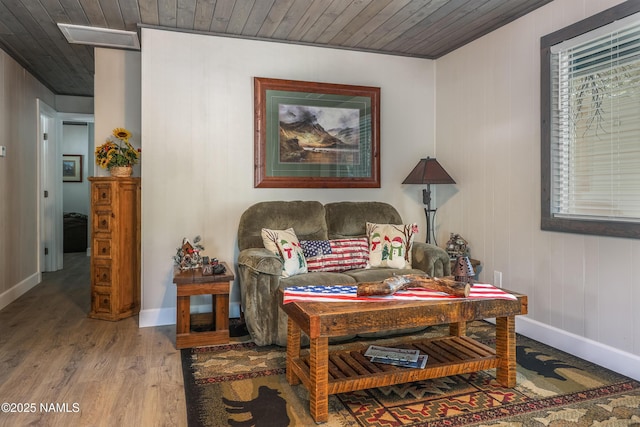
(3, 151)
(497, 279)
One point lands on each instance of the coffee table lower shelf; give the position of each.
(350, 370)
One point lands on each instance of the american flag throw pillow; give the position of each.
(336, 255)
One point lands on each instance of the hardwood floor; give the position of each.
(90, 372)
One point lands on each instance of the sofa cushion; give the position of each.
(306, 217)
(336, 255)
(349, 219)
(317, 278)
(390, 244)
(285, 244)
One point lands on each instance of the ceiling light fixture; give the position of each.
(104, 37)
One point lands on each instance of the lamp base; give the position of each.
(430, 224)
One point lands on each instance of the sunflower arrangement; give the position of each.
(117, 151)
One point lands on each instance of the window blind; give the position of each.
(595, 126)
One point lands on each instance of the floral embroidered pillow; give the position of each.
(284, 243)
(390, 244)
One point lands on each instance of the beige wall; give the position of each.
(197, 127)
(19, 91)
(117, 97)
(488, 134)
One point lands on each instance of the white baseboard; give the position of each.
(167, 316)
(12, 294)
(157, 317)
(609, 357)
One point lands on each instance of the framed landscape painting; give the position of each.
(316, 135)
(71, 168)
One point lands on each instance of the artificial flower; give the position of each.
(117, 150)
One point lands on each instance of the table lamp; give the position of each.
(428, 171)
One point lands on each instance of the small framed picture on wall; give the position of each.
(72, 168)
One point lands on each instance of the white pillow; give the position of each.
(390, 244)
(284, 243)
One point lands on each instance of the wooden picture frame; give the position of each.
(316, 135)
(72, 168)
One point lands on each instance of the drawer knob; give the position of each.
(104, 222)
(103, 195)
(104, 250)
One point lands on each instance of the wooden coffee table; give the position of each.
(324, 373)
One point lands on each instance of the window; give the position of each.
(591, 125)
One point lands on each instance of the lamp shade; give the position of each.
(428, 171)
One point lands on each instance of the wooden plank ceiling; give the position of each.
(418, 28)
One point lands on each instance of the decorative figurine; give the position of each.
(457, 246)
(207, 267)
(187, 256)
(463, 270)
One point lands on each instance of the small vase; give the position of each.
(121, 171)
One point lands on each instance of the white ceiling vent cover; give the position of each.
(100, 36)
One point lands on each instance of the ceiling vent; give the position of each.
(104, 37)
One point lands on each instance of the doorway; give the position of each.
(77, 151)
(50, 190)
(51, 148)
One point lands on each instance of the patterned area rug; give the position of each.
(241, 384)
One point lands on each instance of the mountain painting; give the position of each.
(323, 135)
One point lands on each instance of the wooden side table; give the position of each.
(192, 282)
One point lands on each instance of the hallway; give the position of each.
(90, 372)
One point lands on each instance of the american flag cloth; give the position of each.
(350, 293)
(336, 255)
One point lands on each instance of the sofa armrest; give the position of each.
(431, 259)
(261, 260)
(259, 273)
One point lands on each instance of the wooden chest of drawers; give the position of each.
(115, 247)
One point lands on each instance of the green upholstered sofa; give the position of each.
(260, 271)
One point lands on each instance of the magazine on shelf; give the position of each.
(401, 354)
(420, 363)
